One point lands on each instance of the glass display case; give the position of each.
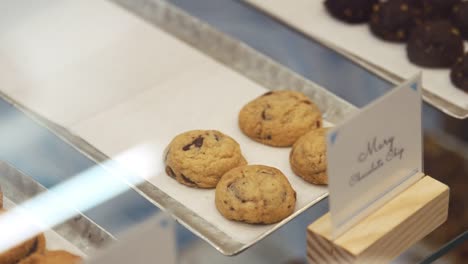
(94, 91)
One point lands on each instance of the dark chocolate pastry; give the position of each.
(415, 3)
(459, 74)
(355, 11)
(393, 20)
(437, 9)
(435, 44)
(460, 18)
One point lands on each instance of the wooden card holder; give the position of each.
(386, 233)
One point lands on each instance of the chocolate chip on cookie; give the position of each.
(255, 194)
(198, 142)
(199, 158)
(279, 118)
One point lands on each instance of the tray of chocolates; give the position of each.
(394, 39)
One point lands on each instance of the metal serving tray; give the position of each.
(233, 54)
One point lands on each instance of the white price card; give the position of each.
(153, 241)
(374, 155)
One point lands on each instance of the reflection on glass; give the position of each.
(82, 192)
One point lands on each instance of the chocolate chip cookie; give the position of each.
(199, 158)
(36, 244)
(435, 45)
(52, 257)
(255, 194)
(279, 118)
(308, 157)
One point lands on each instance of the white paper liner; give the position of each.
(122, 83)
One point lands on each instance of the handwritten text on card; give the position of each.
(374, 155)
(374, 149)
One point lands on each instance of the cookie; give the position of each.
(355, 11)
(279, 118)
(459, 73)
(438, 9)
(255, 194)
(23, 250)
(40, 244)
(393, 20)
(52, 257)
(199, 158)
(435, 45)
(308, 157)
(460, 18)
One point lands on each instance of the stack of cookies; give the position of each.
(255, 194)
(33, 251)
(433, 29)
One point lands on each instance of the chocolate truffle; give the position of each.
(393, 20)
(355, 11)
(459, 74)
(460, 18)
(438, 9)
(415, 3)
(435, 45)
